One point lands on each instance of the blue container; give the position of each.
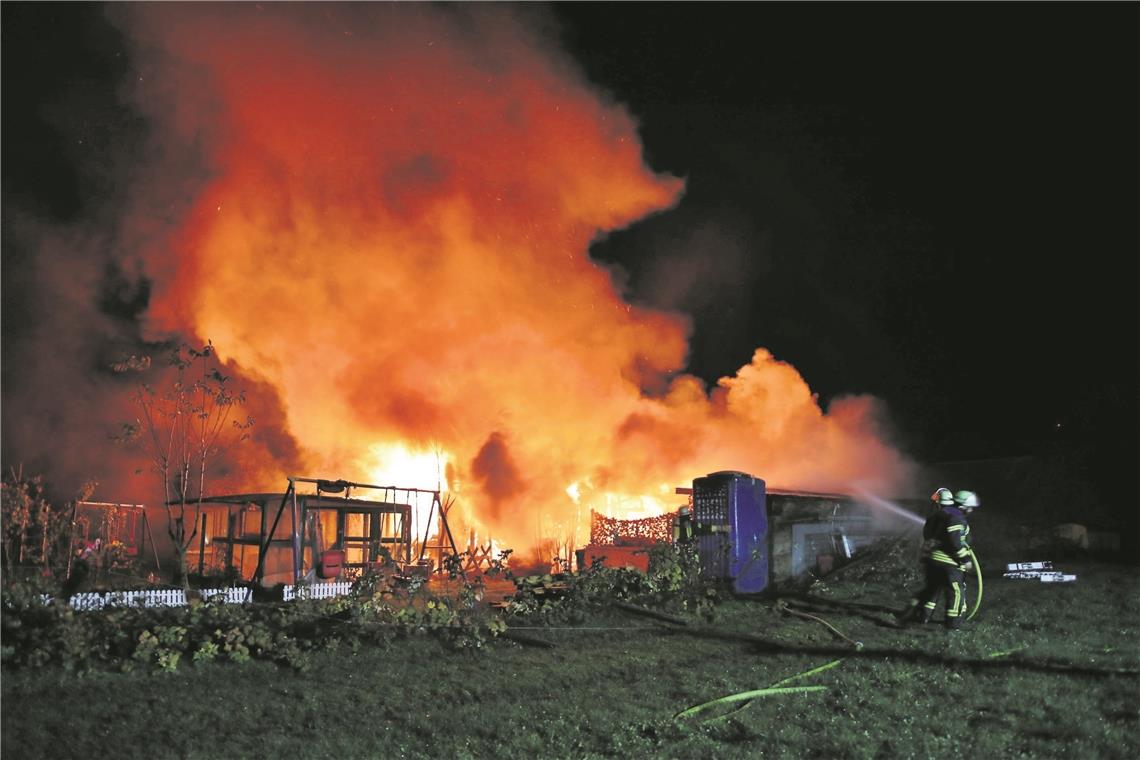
(731, 521)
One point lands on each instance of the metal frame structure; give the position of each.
(365, 529)
(135, 544)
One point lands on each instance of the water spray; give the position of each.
(890, 506)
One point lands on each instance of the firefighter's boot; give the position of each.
(914, 613)
(906, 614)
(925, 612)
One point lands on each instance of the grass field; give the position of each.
(1043, 671)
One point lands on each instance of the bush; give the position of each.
(382, 608)
(673, 583)
(35, 532)
(37, 633)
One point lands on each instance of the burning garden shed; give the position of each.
(284, 537)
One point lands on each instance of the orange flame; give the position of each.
(393, 231)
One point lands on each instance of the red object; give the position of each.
(636, 557)
(331, 563)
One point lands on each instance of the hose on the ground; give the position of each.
(783, 607)
(776, 685)
(978, 575)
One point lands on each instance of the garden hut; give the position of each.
(322, 529)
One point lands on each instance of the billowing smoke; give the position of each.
(61, 399)
(381, 216)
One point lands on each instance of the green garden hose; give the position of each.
(978, 575)
(749, 695)
(776, 688)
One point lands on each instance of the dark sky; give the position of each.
(934, 203)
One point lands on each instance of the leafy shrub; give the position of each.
(673, 583)
(35, 532)
(378, 611)
(381, 608)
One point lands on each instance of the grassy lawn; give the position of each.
(1043, 671)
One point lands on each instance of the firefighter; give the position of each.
(683, 526)
(966, 502)
(946, 559)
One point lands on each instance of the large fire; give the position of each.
(384, 213)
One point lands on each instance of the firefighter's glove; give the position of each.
(967, 566)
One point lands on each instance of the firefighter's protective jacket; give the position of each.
(683, 527)
(947, 533)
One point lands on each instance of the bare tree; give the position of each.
(184, 426)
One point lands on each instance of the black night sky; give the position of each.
(932, 203)
(935, 204)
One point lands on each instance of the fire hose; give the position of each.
(783, 607)
(747, 696)
(978, 575)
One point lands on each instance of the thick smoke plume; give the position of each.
(381, 215)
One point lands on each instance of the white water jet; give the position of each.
(877, 501)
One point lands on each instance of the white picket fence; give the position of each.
(317, 591)
(177, 597)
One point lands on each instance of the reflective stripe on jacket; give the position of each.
(948, 532)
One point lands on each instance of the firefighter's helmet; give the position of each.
(967, 499)
(942, 496)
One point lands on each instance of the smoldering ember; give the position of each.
(623, 344)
